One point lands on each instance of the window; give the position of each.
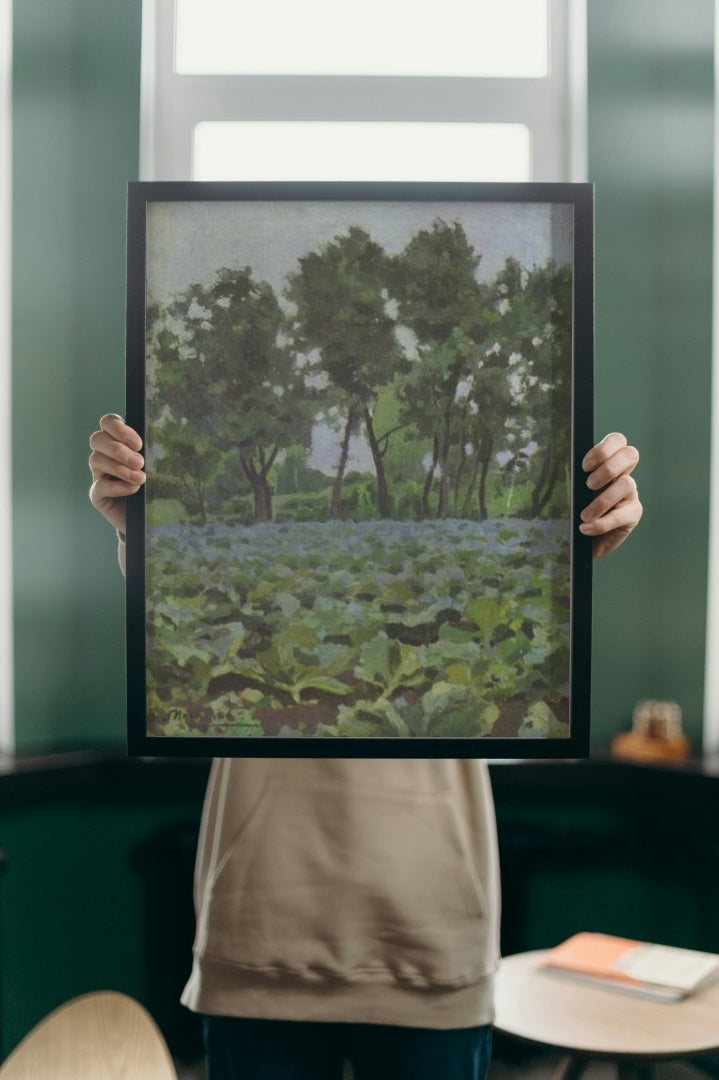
(402, 38)
(386, 90)
(359, 150)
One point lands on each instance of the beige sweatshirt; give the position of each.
(347, 890)
(355, 890)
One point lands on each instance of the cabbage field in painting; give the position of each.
(377, 628)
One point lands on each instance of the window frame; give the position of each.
(553, 108)
(710, 725)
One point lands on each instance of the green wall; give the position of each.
(651, 158)
(75, 146)
(86, 867)
(63, 934)
(76, 90)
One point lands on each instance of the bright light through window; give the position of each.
(491, 38)
(278, 150)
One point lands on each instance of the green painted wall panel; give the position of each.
(651, 86)
(75, 146)
(74, 900)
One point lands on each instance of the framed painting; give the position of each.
(364, 408)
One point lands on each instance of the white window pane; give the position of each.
(497, 38)
(279, 150)
(315, 150)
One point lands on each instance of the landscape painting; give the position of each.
(359, 417)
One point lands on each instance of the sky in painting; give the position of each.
(188, 242)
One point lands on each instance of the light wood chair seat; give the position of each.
(99, 1036)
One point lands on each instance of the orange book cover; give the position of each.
(661, 970)
(592, 954)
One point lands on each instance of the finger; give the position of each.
(107, 490)
(623, 461)
(603, 450)
(602, 545)
(116, 427)
(625, 515)
(115, 451)
(621, 490)
(103, 466)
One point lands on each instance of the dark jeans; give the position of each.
(239, 1049)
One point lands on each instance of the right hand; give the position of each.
(116, 466)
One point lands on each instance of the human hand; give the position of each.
(116, 468)
(616, 510)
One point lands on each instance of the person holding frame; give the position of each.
(348, 909)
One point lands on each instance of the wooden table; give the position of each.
(586, 1022)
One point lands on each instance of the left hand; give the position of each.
(616, 510)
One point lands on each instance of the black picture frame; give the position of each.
(206, 679)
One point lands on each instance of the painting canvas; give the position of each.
(363, 409)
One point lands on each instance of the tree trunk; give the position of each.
(541, 496)
(384, 507)
(486, 446)
(459, 474)
(539, 493)
(202, 512)
(427, 488)
(193, 498)
(482, 491)
(262, 495)
(443, 503)
(336, 502)
(469, 494)
(261, 490)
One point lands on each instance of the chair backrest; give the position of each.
(98, 1036)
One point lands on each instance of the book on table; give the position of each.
(661, 972)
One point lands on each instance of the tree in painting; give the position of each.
(225, 388)
(341, 303)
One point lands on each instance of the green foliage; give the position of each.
(220, 381)
(165, 511)
(435, 281)
(342, 320)
(313, 506)
(294, 476)
(459, 389)
(373, 629)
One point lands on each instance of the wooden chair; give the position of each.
(98, 1036)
